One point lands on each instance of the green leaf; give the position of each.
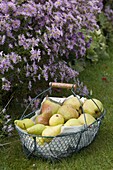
(92, 56)
(78, 65)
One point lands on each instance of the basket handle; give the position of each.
(52, 85)
(62, 85)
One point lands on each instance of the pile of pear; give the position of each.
(53, 115)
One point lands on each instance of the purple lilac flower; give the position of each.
(27, 10)
(36, 103)
(57, 3)
(4, 7)
(15, 58)
(6, 85)
(10, 46)
(12, 6)
(7, 116)
(8, 120)
(2, 39)
(39, 76)
(10, 128)
(5, 64)
(45, 72)
(4, 127)
(29, 85)
(15, 24)
(35, 55)
(89, 43)
(35, 68)
(85, 91)
(22, 41)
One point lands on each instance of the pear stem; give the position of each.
(24, 126)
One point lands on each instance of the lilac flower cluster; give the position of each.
(8, 61)
(6, 85)
(66, 73)
(7, 126)
(109, 13)
(39, 34)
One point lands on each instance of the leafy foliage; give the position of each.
(97, 50)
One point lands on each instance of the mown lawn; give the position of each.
(98, 155)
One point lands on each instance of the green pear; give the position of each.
(93, 107)
(51, 131)
(73, 122)
(24, 124)
(56, 119)
(89, 119)
(68, 112)
(36, 129)
(74, 102)
(49, 106)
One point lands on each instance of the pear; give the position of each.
(73, 122)
(40, 141)
(89, 119)
(42, 119)
(51, 131)
(74, 102)
(56, 119)
(93, 107)
(68, 112)
(24, 124)
(49, 106)
(36, 129)
(47, 115)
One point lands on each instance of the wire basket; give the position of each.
(62, 145)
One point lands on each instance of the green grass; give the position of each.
(98, 155)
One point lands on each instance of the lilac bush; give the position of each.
(106, 21)
(108, 9)
(6, 125)
(38, 37)
(109, 13)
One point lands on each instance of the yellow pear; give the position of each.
(74, 102)
(24, 124)
(68, 112)
(73, 122)
(49, 106)
(89, 119)
(40, 141)
(36, 129)
(56, 119)
(93, 107)
(52, 130)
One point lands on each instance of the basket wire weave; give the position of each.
(62, 145)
